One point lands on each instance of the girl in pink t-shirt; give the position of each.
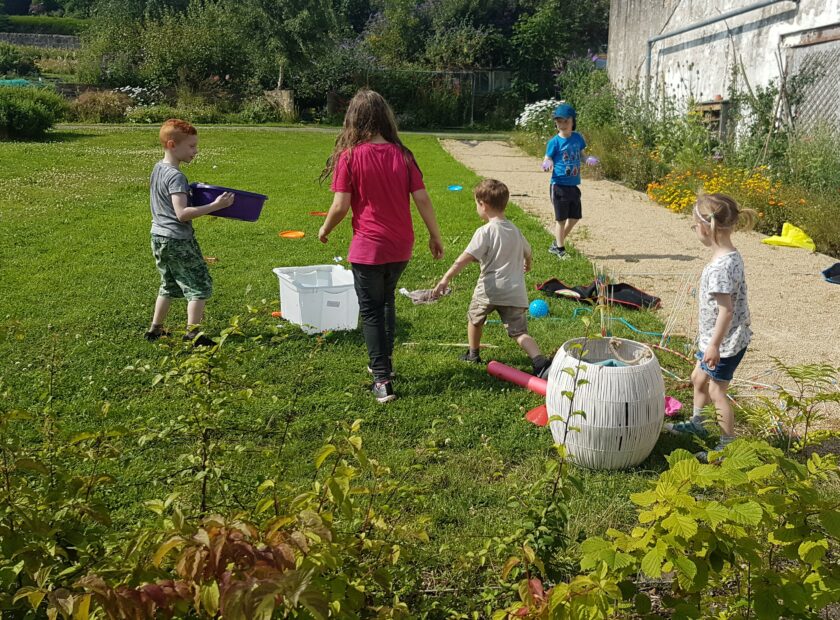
(373, 175)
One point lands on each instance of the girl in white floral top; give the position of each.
(724, 317)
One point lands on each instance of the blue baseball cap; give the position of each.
(564, 110)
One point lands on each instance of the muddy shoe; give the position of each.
(156, 333)
(471, 358)
(198, 339)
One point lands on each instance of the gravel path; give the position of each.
(795, 313)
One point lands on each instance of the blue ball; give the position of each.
(538, 308)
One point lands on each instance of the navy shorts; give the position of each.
(566, 201)
(725, 368)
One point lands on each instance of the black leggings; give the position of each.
(375, 286)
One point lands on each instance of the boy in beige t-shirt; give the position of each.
(504, 255)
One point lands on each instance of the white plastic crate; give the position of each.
(318, 297)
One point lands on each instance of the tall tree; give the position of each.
(551, 30)
(288, 34)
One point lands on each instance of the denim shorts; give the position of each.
(725, 368)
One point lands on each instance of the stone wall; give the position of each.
(61, 41)
(698, 64)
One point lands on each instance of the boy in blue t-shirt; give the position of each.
(563, 156)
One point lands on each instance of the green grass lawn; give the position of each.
(77, 285)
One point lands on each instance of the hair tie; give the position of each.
(700, 215)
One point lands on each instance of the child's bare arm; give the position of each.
(185, 213)
(338, 211)
(528, 260)
(462, 261)
(724, 319)
(424, 206)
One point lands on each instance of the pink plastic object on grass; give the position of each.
(672, 406)
(517, 377)
(538, 416)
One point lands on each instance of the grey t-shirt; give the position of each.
(167, 180)
(724, 274)
(500, 249)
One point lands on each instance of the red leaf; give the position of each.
(536, 588)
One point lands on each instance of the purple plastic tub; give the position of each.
(246, 206)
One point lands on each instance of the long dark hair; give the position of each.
(367, 115)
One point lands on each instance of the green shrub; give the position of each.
(751, 535)
(112, 53)
(261, 110)
(202, 50)
(53, 61)
(199, 113)
(814, 159)
(624, 160)
(498, 110)
(821, 220)
(15, 61)
(100, 107)
(22, 116)
(151, 114)
(41, 24)
(589, 90)
(29, 112)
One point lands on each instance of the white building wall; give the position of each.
(698, 64)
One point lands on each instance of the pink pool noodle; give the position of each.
(517, 377)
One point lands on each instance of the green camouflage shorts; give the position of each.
(183, 272)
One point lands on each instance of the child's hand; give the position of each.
(323, 234)
(224, 200)
(440, 289)
(711, 356)
(547, 165)
(436, 247)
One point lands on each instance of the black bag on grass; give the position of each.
(619, 294)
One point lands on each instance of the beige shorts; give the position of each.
(513, 318)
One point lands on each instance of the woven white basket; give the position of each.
(624, 406)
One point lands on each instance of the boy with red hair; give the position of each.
(183, 272)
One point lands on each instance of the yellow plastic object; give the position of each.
(792, 237)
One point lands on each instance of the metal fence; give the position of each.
(818, 67)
